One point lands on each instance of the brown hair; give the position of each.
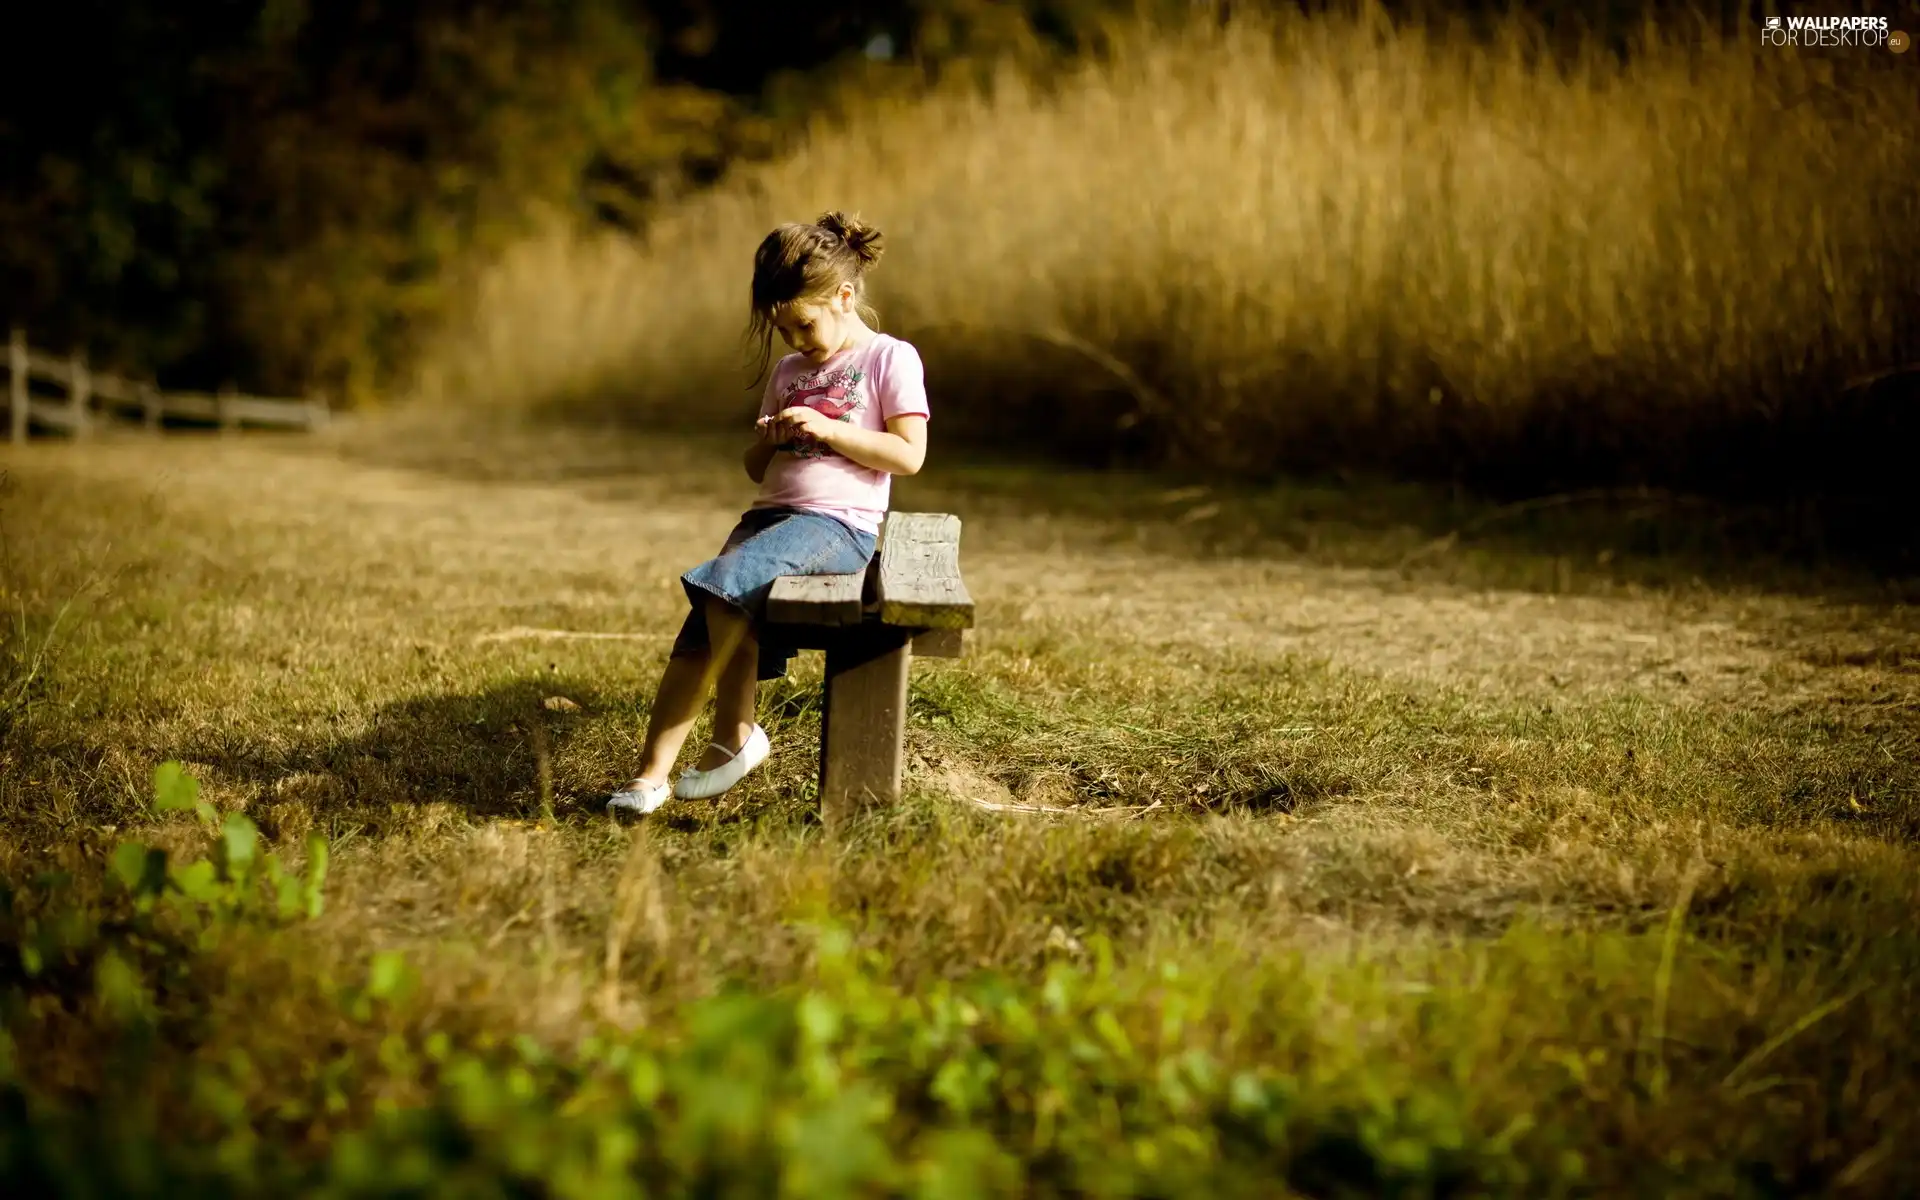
(802, 263)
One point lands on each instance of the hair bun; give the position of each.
(861, 238)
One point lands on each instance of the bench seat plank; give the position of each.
(920, 585)
(817, 599)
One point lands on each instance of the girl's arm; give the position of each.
(900, 450)
(758, 457)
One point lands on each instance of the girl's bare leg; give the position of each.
(676, 705)
(734, 701)
(683, 690)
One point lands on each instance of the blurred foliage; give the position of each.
(280, 192)
(1097, 1082)
(284, 194)
(137, 1057)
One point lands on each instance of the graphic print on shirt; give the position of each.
(836, 394)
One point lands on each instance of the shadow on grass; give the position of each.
(482, 752)
(517, 751)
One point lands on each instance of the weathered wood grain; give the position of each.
(817, 599)
(919, 584)
(864, 723)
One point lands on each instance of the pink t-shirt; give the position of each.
(867, 386)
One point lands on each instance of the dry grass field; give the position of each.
(1463, 866)
(1319, 243)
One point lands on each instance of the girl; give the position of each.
(841, 415)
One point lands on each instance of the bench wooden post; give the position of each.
(223, 410)
(863, 723)
(17, 385)
(150, 408)
(872, 623)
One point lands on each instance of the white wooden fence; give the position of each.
(91, 396)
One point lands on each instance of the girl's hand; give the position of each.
(803, 420)
(769, 431)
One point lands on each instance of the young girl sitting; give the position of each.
(841, 415)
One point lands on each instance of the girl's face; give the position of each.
(820, 329)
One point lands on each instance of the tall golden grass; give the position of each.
(1287, 241)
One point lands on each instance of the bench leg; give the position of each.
(863, 723)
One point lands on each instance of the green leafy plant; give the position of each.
(1094, 1082)
(114, 974)
(155, 910)
(232, 881)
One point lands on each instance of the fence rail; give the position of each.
(91, 396)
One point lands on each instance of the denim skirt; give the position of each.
(766, 544)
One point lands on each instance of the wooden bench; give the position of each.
(910, 600)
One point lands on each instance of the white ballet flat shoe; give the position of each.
(701, 785)
(639, 797)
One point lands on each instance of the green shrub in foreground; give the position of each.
(847, 1087)
(1093, 1080)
